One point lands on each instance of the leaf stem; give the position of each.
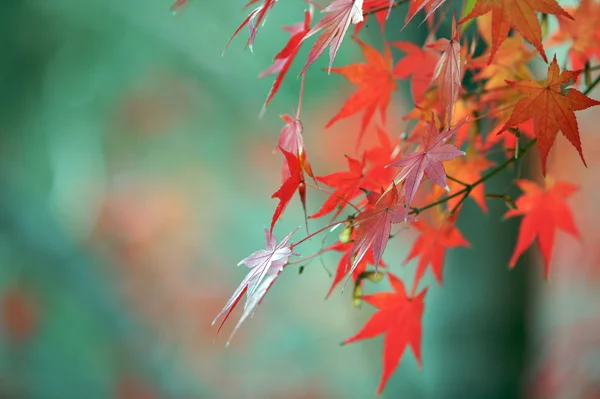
(307, 258)
(322, 229)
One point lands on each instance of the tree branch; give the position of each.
(469, 187)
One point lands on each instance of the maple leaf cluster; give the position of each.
(419, 180)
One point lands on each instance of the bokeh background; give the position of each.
(135, 174)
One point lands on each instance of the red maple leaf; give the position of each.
(342, 267)
(431, 246)
(551, 105)
(347, 187)
(376, 83)
(291, 140)
(375, 224)
(334, 25)
(417, 5)
(381, 10)
(428, 161)
(399, 318)
(419, 64)
(283, 60)
(379, 157)
(294, 182)
(254, 20)
(545, 211)
(519, 14)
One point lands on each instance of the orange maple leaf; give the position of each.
(551, 105)
(519, 14)
(376, 83)
(545, 211)
(431, 246)
(418, 64)
(583, 31)
(510, 63)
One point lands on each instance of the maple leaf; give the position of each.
(291, 140)
(347, 187)
(519, 14)
(294, 182)
(265, 266)
(582, 30)
(467, 170)
(417, 5)
(374, 226)
(342, 267)
(431, 246)
(379, 157)
(381, 10)
(334, 25)
(545, 211)
(428, 161)
(551, 105)
(425, 112)
(399, 317)
(418, 64)
(376, 86)
(283, 60)
(510, 63)
(254, 20)
(509, 140)
(448, 74)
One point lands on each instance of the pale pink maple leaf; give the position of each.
(334, 25)
(448, 74)
(428, 161)
(265, 266)
(374, 226)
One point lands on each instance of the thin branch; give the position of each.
(460, 202)
(324, 190)
(594, 83)
(462, 183)
(322, 229)
(307, 258)
(467, 190)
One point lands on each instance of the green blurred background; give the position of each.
(134, 174)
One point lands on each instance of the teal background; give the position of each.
(134, 174)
